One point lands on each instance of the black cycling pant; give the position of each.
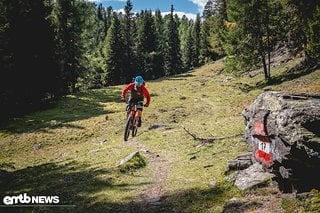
(137, 102)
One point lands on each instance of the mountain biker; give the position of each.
(138, 92)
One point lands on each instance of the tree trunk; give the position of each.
(265, 69)
(283, 131)
(268, 39)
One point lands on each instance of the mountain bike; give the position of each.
(132, 119)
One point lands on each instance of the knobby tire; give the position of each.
(127, 128)
(134, 128)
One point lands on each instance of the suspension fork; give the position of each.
(137, 116)
(134, 115)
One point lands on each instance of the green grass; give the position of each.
(72, 149)
(137, 162)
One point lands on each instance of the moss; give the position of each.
(137, 162)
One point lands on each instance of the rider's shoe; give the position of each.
(139, 122)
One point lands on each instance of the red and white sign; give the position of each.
(263, 152)
(262, 143)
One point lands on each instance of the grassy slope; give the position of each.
(71, 149)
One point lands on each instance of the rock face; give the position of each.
(284, 132)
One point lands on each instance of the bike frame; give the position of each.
(133, 111)
(132, 121)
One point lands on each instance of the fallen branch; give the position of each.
(210, 139)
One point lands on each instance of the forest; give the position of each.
(52, 48)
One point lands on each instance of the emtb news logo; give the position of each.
(25, 199)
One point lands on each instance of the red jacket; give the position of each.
(131, 87)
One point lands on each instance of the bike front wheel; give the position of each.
(135, 127)
(134, 131)
(127, 128)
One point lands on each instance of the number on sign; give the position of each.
(265, 147)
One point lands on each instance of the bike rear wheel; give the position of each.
(127, 128)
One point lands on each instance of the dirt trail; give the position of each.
(151, 198)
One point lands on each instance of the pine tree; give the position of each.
(113, 53)
(92, 36)
(28, 71)
(5, 54)
(208, 10)
(189, 52)
(128, 42)
(159, 32)
(173, 64)
(220, 12)
(147, 46)
(196, 45)
(184, 46)
(215, 17)
(249, 41)
(313, 35)
(103, 28)
(205, 52)
(70, 27)
(304, 11)
(108, 18)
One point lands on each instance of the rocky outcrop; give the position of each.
(284, 132)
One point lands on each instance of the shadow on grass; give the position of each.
(71, 108)
(83, 187)
(74, 183)
(291, 74)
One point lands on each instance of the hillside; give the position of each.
(71, 150)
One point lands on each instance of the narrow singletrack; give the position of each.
(151, 197)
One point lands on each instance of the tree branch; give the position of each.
(210, 139)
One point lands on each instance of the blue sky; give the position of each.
(187, 7)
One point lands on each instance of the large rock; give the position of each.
(284, 132)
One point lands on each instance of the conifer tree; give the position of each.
(302, 16)
(147, 46)
(313, 35)
(70, 27)
(108, 18)
(101, 14)
(93, 36)
(205, 52)
(6, 61)
(250, 39)
(189, 52)
(28, 71)
(208, 10)
(215, 17)
(196, 45)
(184, 45)
(159, 31)
(113, 53)
(173, 64)
(128, 43)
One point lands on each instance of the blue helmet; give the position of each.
(138, 80)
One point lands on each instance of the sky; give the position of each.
(190, 8)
